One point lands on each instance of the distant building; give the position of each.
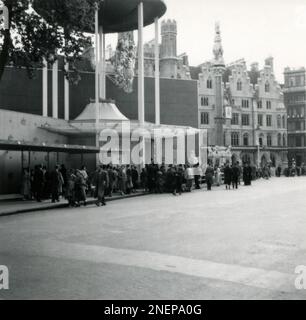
(172, 65)
(258, 114)
(295, 101)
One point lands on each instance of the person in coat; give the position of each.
(188, 178)
(101, 184)
(247, 175)
(26, 184)
(179, 179)
(80, 188)
(144, 179)
(209, 175)
(135, 178)
(111, 177)
(235, 175)
(38, 183)
(197, 176)
(228, 176)
(57, 182)
(70, 188)
(122, 180)
(218, 176)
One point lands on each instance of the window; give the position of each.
(204, 118)
(245, 139)
(284, 122)
(298, 126)
(279, 140)
(260, 120)
(298, 141)
(284, 140)
(279, 121)
(259, 104)
(269, 120)
(269, 140)
(261, 139)
(245, 120)
(209, 84)
(245, 103)
(267, 87)
(239, 85)
(268, 105)
(292, 82)
(204, 102)
(235, 119)
(235, 139)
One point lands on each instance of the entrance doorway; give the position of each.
(246, 159)
(264, 161)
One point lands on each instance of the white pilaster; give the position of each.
(157, 80)
(102, 63)
(141, 99)
(66, 93)
(45, 88)
(55, 90)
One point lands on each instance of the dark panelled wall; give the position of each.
(19, 93)
(179, 98)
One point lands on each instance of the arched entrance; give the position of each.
(246, 158)
(264, 161)
(273, 160)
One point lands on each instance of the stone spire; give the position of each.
(218, 49)
(218, 69)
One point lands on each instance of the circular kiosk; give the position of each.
(115, 16)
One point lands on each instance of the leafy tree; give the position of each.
(52, 27)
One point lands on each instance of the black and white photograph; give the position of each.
(153, 150)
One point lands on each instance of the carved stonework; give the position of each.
(218, 49)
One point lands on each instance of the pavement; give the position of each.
(13, 207)
(237, 244)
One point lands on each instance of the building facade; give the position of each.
(172, 65)
(256, 129)
(295, 101)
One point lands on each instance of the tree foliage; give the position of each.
(52, 27)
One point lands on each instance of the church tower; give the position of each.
(218, 70)
(168, 50)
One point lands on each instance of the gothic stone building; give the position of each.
(258, 120)
(172, 65)
(295, 101)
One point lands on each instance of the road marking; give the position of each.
(254, 277)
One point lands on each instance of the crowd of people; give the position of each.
(76, 185)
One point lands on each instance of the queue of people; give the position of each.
(76, 185)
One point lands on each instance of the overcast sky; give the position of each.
(250, 29)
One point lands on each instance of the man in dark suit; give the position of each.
(209, 175)
(247, 175)
(101, 183)
(235, 176)
(228, 176)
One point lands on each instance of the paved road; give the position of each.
(222, 244)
